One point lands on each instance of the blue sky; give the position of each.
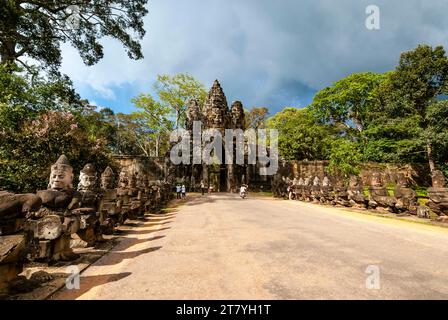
(264, 53)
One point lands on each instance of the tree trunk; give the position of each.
(432, 165)
(157, 146)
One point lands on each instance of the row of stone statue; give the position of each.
(42, 226)
(403, 200)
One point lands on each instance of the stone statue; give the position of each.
(406, 197)
(15, 207)
(341, 196)
(110, 210)
(326, 192)
(123, 196)
(438, 194)
(355, 192)
(379, 196)
(14, 241)
(315, 189)
(136, 197)
(53, 224)
(306, 190)
(89, 206)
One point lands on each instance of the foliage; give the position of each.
(409, 124)
(153, 115)
(300, 135)
(256, 118)
(24, 96)
(348, 101)
(36, 29)
(26, 155)
(174, 92)
(345, 158)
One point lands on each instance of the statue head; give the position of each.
(438, 179)
(402, 181)
(87, 178)
(376, 179)
(301, 182)
(316, 181)
(61, 176)
(355, 181)
(326, 182)
(307, 181)
(340, 183)
(108, 179)
(123, 180)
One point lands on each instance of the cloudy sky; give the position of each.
(264, 52)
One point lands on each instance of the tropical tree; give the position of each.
(174, 92)
(300, 135)
(256, 117)
(348, 101)
(408, 103)
(36, 29)
(345, 158)
(153, 115)
(27, 154)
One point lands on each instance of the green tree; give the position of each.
(175, 91)
(153, 116)
(345, 158)
(256, 118)
(36, 29)
(25, 96)
(408, 101)
(300, 135)
(27, 154)
(348, 101)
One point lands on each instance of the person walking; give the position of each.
(184, 191)
(178, 191)
(202, 187)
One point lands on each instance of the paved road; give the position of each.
(223, 247)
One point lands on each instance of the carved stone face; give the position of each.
(307, 181)
(402, 181)
(108, 179)
(87, 181)
(354, 181)
(340, 183)
(61, 179)
(316, 181)
(375, 180)
(61, 176)
(326, 182)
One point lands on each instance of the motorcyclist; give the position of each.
(243, 191)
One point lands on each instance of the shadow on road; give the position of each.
(89, 282)
(130, 242)
(116, 257)
(131, 232)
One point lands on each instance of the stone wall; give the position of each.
(155, 167)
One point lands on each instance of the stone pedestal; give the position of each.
(438, 194)
(12, 254)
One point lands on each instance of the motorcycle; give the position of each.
(243, 194)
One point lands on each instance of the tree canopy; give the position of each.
(175, 91)
(301, 136)
(36, 29)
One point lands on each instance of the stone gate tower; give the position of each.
(215, 114)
